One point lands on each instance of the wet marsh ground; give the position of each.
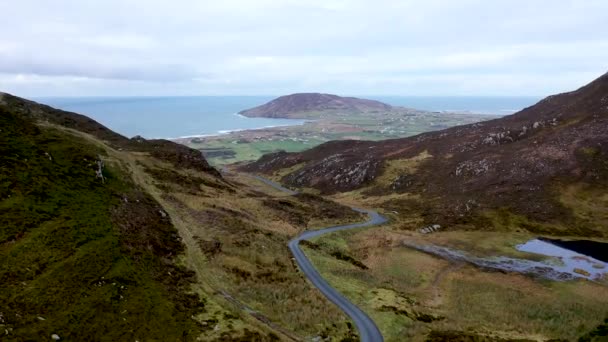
(412, 294)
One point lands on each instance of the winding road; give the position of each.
(368, 331)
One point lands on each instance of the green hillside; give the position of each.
(82, 256)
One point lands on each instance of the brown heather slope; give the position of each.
(546, 163)
(299, 105)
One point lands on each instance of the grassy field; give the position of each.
(250, 145)
(244, 151)
(412, 295)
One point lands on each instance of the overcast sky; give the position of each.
(272, 47)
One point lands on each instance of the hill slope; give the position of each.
(108, 238)
(84, 252)
(303, 104)
(178, 155)
(544, 163)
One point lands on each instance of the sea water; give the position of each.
(169, 117)
(173, 117)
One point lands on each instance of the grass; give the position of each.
(600, 333)
(354, 283)
(76, 259)
(238, 240)
(247, 151)
(99, 260)
(505, 220)
(482, 244)
(400, 285)
(251, 145)
(589, 204)
(398, 167)
(517, 304)
(279, 174)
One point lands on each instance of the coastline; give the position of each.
(236, 130)
(183, 118)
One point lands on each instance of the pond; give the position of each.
(568, 260)
(560, 263)
(594, 249)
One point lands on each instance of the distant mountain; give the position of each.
(546, 163)
(302, 105)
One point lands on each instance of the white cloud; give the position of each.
(122, 47)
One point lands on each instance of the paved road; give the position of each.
(368, 331)
(274, 185)
(263, 180)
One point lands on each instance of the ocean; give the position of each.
(173, 117)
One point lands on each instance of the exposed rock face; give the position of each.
(295, 105)
(99, 171)
(402, 182)
(340, 172)
(511, 161)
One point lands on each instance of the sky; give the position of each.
(271, 47)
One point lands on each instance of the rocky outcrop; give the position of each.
(99, 170)
(336, 172)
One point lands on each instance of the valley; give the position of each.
(224, 252)
(262, 250)
(485, 188)
(304, 171)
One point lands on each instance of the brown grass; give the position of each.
(588, 203)
(509, 306)
(254, 265)
(221, 319)
(397, 167)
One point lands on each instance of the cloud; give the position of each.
(395, 47)
(98, 68)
